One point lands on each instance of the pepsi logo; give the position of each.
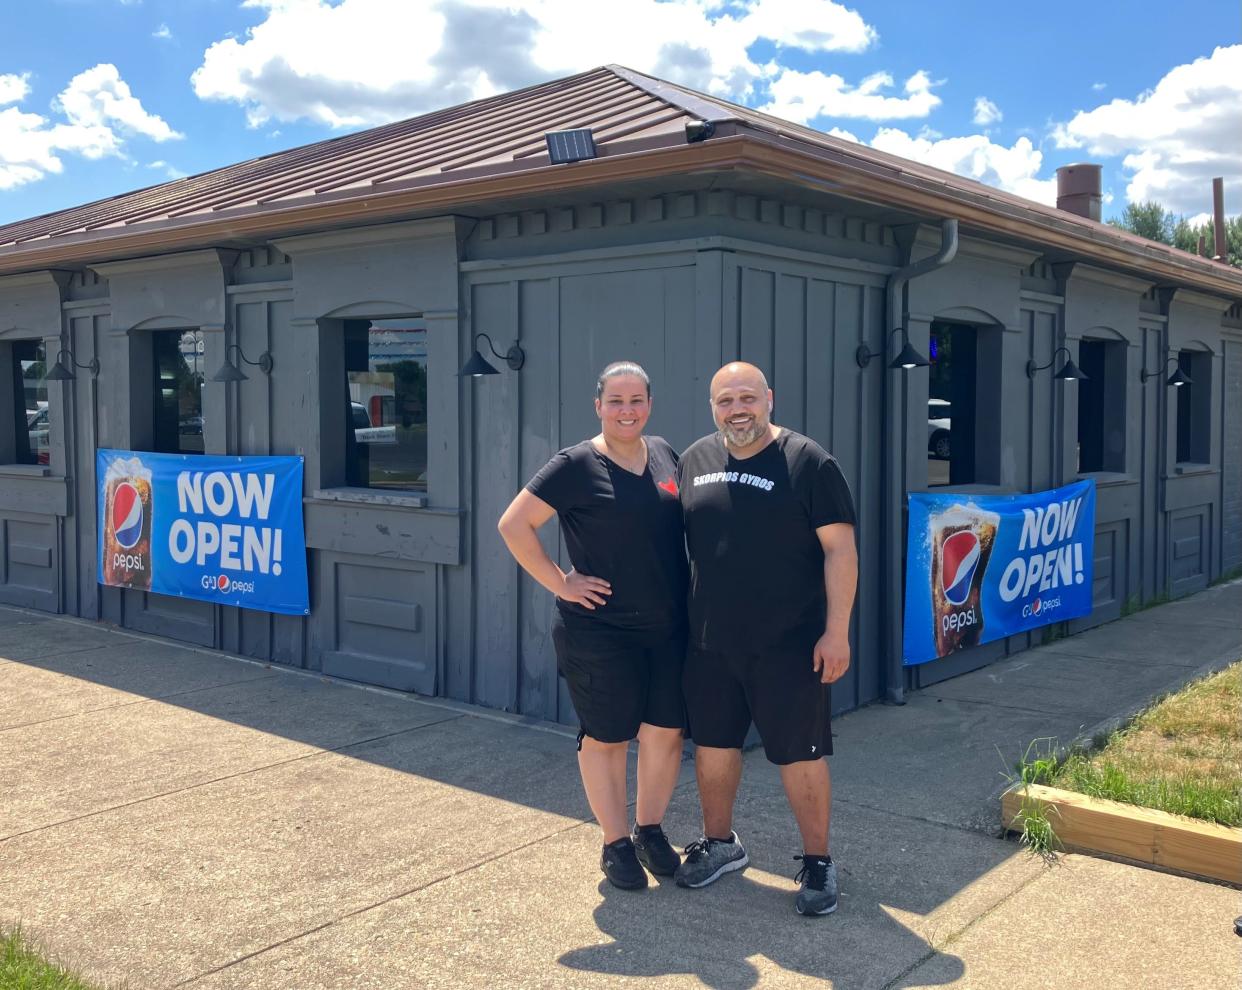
(222, 582)
(959, 557)
(126, 515)
(1036, 606)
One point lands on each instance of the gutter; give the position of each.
(893, 460)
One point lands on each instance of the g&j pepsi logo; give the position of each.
(222, 582)
(959, 556)
(126, 515)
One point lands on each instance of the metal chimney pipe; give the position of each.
(1218, 220)
(1078, 190)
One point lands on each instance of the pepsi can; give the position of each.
(961, 542)
(127, 525)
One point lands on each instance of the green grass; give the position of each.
(23, 968)
(1183, 756)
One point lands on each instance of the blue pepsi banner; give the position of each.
(980, 568)
(219, 529)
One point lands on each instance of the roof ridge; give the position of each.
(702, 105)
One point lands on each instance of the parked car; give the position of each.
(938, 416)
(364, 432)
(38, 428)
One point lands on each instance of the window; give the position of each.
(1102, 406)
(963, 411)
(386, 379)
(1194, 413)
(30, 395)
(179, 363)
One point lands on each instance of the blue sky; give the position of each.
(98, 97)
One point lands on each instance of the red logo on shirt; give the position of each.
(669, 484)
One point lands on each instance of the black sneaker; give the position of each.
(707, 860)
(818, 877)
(654, 850)
(620, 865)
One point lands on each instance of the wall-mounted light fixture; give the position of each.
(1068, 372)
(907, 359)
(229, 372)
(1177, 379)
(61, 371)
(478, 365)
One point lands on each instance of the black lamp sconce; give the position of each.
(229, 372)
(907, 359)
(478, 365)
(1068, 372)
(1177, 379)
(61, 372)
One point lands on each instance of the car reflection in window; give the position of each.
(939, 413)
(364, 432)
(38, 429)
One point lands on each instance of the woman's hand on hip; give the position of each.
(585, 590)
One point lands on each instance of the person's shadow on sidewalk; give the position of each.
(733, 934)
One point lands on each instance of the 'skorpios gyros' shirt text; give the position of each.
(622, 527)
(756, 564)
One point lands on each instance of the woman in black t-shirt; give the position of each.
(619, 629)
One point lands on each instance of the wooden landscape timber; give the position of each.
(1157, 838)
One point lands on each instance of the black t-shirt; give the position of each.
(622, 527)
(756, 564)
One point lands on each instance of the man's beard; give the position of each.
(744, 436)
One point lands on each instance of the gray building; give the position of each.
(366, 266)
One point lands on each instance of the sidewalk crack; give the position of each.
(381, 903)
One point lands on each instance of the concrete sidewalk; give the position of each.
(173, 817)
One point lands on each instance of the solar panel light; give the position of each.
(699, 130)
(571, 146)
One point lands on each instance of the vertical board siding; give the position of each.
(537, 689)
(1231, 458)
(495, 452)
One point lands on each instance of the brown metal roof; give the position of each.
(494, 148)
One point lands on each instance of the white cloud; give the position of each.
(14, 88)
(987, 112)
(357, 62)
(169, 170)
(99, 113)
(1099, 87)
(1014, 168)
(804, 96)
(1175, 137)
(163, 32)
(99, 97)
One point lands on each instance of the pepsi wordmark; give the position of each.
(979, 568)
(221, 529)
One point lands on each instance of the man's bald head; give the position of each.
(737, 374)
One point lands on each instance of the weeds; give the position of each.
(22, 967)
(1033, 822)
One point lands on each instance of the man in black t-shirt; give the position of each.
(773, 569)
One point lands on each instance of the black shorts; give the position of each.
(620, 678)
(779, 689)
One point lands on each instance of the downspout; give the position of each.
(893, 461)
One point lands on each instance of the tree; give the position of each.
(1153, 221)
(1187, 237)
(1150, 220)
